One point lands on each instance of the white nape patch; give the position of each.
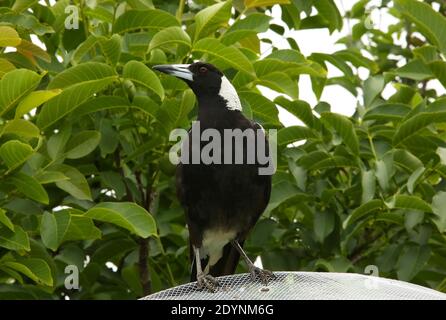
(227, 92)
(213, 243)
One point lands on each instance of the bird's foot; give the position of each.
(264, 275)
(208, 282)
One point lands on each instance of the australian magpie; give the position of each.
(222, 201)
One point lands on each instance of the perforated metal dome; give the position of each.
(304, 286)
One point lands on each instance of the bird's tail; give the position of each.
(225, 266)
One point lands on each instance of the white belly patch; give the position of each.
(213, 243)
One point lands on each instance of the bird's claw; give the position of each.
(264, 275)
(208, 282)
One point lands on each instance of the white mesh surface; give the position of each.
(304, 286)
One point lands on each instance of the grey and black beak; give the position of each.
(178, 70)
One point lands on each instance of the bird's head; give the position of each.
(205, 80)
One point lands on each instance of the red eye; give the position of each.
(203, 70)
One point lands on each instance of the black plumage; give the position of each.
(222, 202)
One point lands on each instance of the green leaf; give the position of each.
(362, 211)
(300, 109)
(35, 99)
(281, 192)
(439, 208)
(82, 144)
(224, 56)
(344, 128)
(299, 174)
(264, 3)
(25, 21)
(280, 82)
(81, 228)
(291, 16)
(335, 61)
(9, 37)
(354, 56)
(211, 18)
(15, 85)
(5, 220)
(287, 56)
(141, 74)
(111, 48)
(29, 49)
(113, 249)
(171, 114)
(144, 19)
(384, 171)
(130, 274)
(251, 25)
(169, 36)
(22, 128)
(368, 185)
(388, 112)
(416, 123)
(333, 162)
(50, 177)
(114, 181)
(53, 228)
(128, 215)
(427, 53)
(277, 61)
(406, 160)
(99, 12)
(292, 134)
(411, 261)
(14, 153)
(312, 158)
(328, 10)
(439, 70)
(30, 187)
(430, 23)
(390, 217)
(389, 257)
(413, 179)
(17, 240)
(20, 5)
(102, 103)
(35, 269)
(416, 70)
(262, 108)
(85, 72)
(372, 88)
(56, 143)
(85, 47)
(410, 202)
(69, 100)
(323, 225)
(5, 67)
(77, 185)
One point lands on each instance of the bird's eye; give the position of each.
(203, 70)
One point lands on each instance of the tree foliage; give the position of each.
(84, 127)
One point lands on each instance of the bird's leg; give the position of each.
(264, 275)
(204, 280)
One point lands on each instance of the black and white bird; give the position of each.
(222, 202)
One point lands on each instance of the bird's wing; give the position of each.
(229, 261)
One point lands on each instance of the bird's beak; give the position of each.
(178, 70)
